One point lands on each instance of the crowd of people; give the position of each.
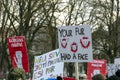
(116, 76)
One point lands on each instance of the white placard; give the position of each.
(117, 61)
(48, 66)
(75, 43)
(112, 68)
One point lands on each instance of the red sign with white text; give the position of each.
(18, 52)
(96, 67)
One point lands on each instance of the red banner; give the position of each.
(18, 52)
(96, 67)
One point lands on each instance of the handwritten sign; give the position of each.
(47, 66)
(75, 43)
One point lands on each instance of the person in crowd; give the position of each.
(118, 73)
(98, 77)
(113, 77)
(83, 77)
(59, 78)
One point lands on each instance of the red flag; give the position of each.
(18, 52)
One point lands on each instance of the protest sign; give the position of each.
(75, 43)
(47, 66)
(96, 67)
(112, 68)
(18, 52)
(116, 60)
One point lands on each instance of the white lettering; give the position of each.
(15, 40)
(16, 45)
(101, 62)
(97, 65)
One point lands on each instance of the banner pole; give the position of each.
(76, 71)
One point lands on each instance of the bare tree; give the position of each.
(106, 15)
(76, 12)
(24, 17)
(28, 17)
